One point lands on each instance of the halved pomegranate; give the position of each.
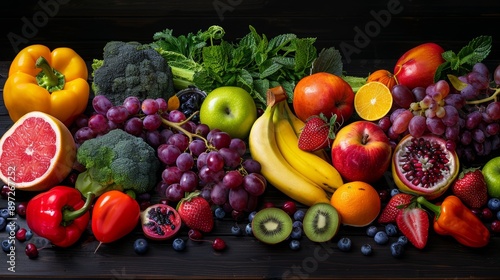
(160, 222)
(424, 166)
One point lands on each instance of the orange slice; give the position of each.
(373, 101)
(36, 153)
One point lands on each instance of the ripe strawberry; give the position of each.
(393, 207)
(195, 212)
(471, 188)
(413, 223)
(318, 133)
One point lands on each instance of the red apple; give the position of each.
(416, 68)
(323, 93)
(361, 152)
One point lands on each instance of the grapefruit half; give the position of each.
(36, 153)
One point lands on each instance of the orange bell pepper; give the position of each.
(51, 82)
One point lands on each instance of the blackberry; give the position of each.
(190, 101)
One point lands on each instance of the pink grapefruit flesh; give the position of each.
(36, 153)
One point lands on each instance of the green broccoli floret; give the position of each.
(117, 160)
(131, 69)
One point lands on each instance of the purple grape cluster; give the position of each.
(464, 110)
(194, 156)
(215, 163)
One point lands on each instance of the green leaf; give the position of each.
(305, 55)
(329, 60)
(269, 69)
(476, 51)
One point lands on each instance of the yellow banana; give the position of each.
(310, 165)
(298, 125)
(274, 167)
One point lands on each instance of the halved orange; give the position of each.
(373, 101)
(36, 153)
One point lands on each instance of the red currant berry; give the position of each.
(5, 191)
(486, 214)
(219, 244)
(195, 235)
(268, 205)
(31, 250)
(21, 209)
(495, 226)
(289, 207)
(384, 195)
(21, 234)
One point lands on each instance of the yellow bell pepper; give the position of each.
(51, 82)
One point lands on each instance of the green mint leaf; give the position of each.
(329, 60)
(441, 71)
(305, 55)
(449, 56)
(476, 51)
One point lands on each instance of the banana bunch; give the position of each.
(302, 176)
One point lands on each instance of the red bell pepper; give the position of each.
(115, 214)
(59, 215)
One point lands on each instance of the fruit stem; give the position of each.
(187, 133)
(486, 99)
(69, 215)
(434, 208)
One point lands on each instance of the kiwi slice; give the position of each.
(272, 225)
(321, 222)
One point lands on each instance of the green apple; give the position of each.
(491, 173)
(230, 109)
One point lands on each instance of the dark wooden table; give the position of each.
(88, 24)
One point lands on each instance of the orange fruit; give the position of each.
(372, 101)
(357, 202)
(36, 153)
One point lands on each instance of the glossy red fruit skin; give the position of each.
(323, 93)
(417, 66)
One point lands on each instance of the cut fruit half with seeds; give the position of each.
(36, 153)
(272, 225)
(321, 222)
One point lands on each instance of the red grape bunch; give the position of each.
(194, 157)
(464, 110)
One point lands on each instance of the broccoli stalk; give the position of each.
(117, 160)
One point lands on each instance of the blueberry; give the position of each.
(391, 230)
(251, 215)
(141, 246)
(394, 192)
(3, 223)
(179, 244)
(381, 237)
(220, 213)
(344, 244)
(5, 213)
(403, 240)
(236, 230)
(494, 204)
(366, 249)
(371, 231)
(6, 244)
(294, 244)
(299, 215)
(12, 226)
(397, 249)
(298, 224)
(29, 234)
(296, 233)
(248, 229)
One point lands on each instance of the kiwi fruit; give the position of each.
(272, 225)
(321, 222)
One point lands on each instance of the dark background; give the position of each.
(372, 30)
